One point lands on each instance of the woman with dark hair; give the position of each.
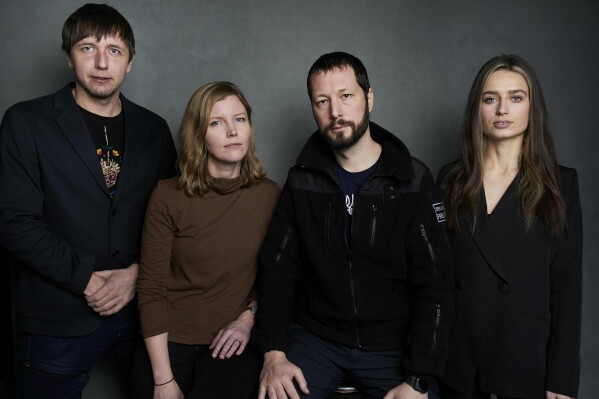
(201, 237)
(515, 220)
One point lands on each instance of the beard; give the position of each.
(97, 93)
(338, 141)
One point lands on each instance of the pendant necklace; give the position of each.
(110, 167)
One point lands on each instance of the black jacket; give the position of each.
(56, 215)
(392, 289)
(518, 299)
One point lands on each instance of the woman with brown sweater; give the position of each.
(201, 237)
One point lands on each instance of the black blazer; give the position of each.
(518, 299)
(56, 215)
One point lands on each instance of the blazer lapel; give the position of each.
(71, 123)
(132, 152)
(483, 239)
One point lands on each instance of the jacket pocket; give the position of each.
(373, 228)
(429, 248)
(327, 228)
(283, 244)
(436, 329)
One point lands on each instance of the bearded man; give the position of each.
(355, 271)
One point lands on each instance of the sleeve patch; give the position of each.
(440, 212)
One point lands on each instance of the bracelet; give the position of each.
(164, 383)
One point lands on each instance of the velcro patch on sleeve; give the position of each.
(439, 209)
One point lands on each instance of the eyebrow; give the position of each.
(339, 91)
(93, 42)
(224, 117)
(111, 44)
(85, 41)
(509, 92)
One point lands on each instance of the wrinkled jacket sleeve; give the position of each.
(430, 263)
(22, 228)
(278, 272)
(563, 351)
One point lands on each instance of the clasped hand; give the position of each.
(108, 291)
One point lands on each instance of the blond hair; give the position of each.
(195, 178)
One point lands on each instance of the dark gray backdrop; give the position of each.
(421, 56)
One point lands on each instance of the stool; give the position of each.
(344, 389)
(347, 390)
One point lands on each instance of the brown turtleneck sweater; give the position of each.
(198, 257)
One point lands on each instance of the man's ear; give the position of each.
(68, 57)
(130, 64)
(370, 99)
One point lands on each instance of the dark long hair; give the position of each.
(540, 195)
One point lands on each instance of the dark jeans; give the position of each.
(58, 368)
(326, 365)
(198, 374)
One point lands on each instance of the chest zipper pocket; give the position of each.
(429, 249)
(327, 228)
(373, 228)
(437, 323)
(283, 243)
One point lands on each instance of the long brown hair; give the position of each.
(195, 178)
(540, 195)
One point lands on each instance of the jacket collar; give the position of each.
(481, 236)
(487, 237)
(136, 127)
(396, 159)
(72, 125)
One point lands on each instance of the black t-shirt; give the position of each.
(108, 135)
(351, 183)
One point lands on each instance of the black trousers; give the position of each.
(475, 392)
(198, 374)
(326, 365)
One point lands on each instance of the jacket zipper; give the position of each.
(351, 278)
(437, 323)
(353, 296)
(429, 248)
(327, 227)
(283, 244)
(373, 228)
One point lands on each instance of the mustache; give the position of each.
(343, 122)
